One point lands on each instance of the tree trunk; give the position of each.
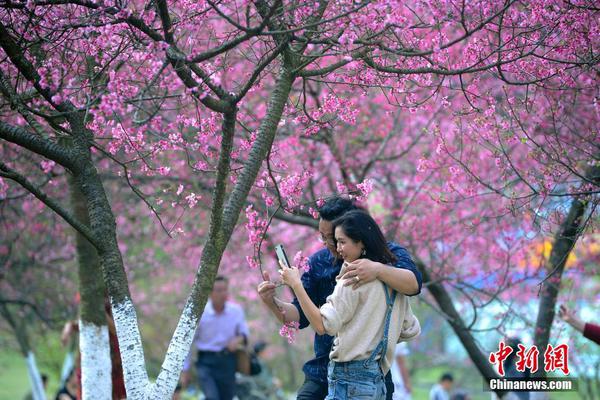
(445, 303)
(94, 344)
(96, 382)
(103, 228)
(221, 227)
(564, 241)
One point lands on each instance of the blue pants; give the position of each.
(216, 374)
(358, 380)
(315, 390)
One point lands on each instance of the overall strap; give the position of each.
(382, 345)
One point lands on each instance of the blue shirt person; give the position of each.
(221, 331)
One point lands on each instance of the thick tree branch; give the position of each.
(212, 252)
(325, 70)
(178, 61)
(297, 219)
(163, 12)
(37, 144)
(223, 170)
(260, 149)
(132, 20)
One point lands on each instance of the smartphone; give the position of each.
(281, 256)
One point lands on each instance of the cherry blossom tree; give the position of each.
(440, 109)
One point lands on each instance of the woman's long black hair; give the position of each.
(361, 227)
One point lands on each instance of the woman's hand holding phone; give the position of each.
(290, 275)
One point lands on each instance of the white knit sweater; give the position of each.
(357, 316)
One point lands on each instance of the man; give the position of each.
(400, 375)
(221, 331)
(319, 283)
(441, 390)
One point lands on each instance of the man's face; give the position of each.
(219, 294)
(447, 385)
(326, 235)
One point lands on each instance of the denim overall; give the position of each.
(361, 379)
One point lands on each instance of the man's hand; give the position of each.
(290, 276)
(284, 312)
(235, 344)
(365, 270)
(266, 289)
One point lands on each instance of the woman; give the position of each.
(365, 329)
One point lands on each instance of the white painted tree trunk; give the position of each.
(165, 384)
(132, 352)
(96, 382)
(37, 388)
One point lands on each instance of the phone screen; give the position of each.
(281, 255)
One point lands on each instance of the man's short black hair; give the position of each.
(447, 377)
(336, 207)
(221, 278)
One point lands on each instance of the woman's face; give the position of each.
(347, 248)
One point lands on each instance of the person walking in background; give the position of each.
(221, 332)
(589, 330)
(441, 390)
(400, 375)
(319, 282)
(510, 370)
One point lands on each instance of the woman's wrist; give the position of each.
(296, 287)
(578, 324)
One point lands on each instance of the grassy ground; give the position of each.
(14, 383)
